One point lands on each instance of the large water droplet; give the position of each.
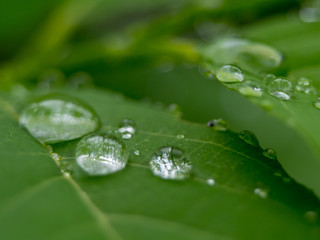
(101, 154)
(304, 85)
(218, 124)
(250, 56)
(281, 88)
(249, 138)
(56, 118)
(250, 89)
(127, 128)
(261, 192)
(170, 163)
(229, 73)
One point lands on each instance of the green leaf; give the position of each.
(39, 202)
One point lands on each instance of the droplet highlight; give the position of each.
(261, 192)
(170, 163)
(101, 155)
(210, 181)
(229, 74)
(270, 153)
(57, 118)
(281, 89)
(127, 128)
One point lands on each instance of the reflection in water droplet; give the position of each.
(80, 80)
(127, 128)
(281, 88)
(270, 153)
(249, 138)
(218, 124)
(101, 154)
(137, 153)
(304, 85)
(260, 192)
(250, 89)
(180, 136)
(170, 163)
(210, 181)
(311, 216)
(229, 73)
(57, 118)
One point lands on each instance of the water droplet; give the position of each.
(137, 153)
(317, 104)
(180, 136)
(80, 80)
(261, 192)
(56, 118)
(127, 128)
(304, 85)
(278, 174)
(250, 89)
(210, 181)
(101, 154)
(310, 12)
(170, 163)
(268, 78)
(287, 180)
(55, 156)
(311, 216)
(249, 138)
(174, 109)
(218, 124)
(281, 88)
(229, 73)
(50, 79)
(66, 168)
(270, 153)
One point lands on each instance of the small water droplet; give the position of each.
(50, 79)
(229, 73)
(287, 180)
(249, 138)
(304, 85)
(218, 124)
(278, 174)
(310, 12)
(56, 118)
(311, 216)
(270, 153)
(180, 136)
(210, 181)
(317, 104)
(137, 153)
(101, 154)
(170, 163)
(281, 88)
(261, 192)
(250, 89)
(127, 128)
(80, 80)
(268, 78)
(174, 109)
(66, 168)
(55, 156)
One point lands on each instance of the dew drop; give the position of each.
(250, 89)
(310, 12)
(210, 181)
(218, 124)
(270, 153)
(101, 154)
(317, 104)
(66, 168)
(56, 118)
(268, 78)
(304, 85)
(127, 128)
(51, 79)
(249, 138)
(229, 73)
(55, 156)
(170, 163)
(80, 80)
(261, 192)
(281, 88)
(180, 136)
(137, 153)
(311, 216)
